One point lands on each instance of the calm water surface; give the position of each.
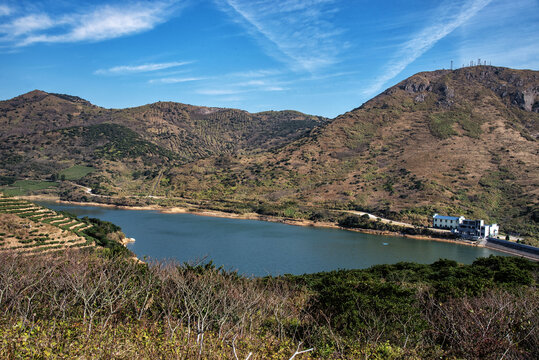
(263, 248)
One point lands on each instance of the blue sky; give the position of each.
(322, 57)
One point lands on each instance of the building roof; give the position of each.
(442, 217)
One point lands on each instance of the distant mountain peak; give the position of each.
(514, 87)
(32, 95)
(71, 98)
(38, 95)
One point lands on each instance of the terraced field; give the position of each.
(29, 228)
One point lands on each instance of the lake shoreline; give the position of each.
(247, 216)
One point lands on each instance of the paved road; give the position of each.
(374, 217)
(393, 222)
(87, 190)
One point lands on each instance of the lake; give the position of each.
(264, 248)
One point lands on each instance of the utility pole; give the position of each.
(451, 65)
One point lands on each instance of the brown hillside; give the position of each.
(453, 142)
(43, 133)
(192, 131)
(462, 141)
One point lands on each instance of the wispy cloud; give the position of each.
(129, 69)
(299, 32)
(30, 23)
(261, 85)
(171, 80)
(274, 88)
(425, 40)
(100, 23)
(5, 10)
(255, 73)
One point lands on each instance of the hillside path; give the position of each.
(156, 183)
(391, 222)
(87, 190)
(377, 218)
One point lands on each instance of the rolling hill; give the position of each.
(43, 134)
(452, 142)
(51, 122)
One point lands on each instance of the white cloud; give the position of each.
(128, 69)
(101, 23)
(30, 23)
(5, 10)
(425, 40)
(274, 88)
(298, 31)
(242, 83)
(253, 83)
(175, 80)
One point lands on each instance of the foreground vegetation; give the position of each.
(93, 305)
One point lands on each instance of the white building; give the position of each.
(477, 229)
(446, 222)
(470, 229)
(489, 231)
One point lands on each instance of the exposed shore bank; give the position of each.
(246, 216)
(258, 217)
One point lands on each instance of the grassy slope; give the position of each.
(76, 172)
(24, 187)
(44, 134)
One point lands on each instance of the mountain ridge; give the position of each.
(170, 125)
(443, 141)
(451, 141)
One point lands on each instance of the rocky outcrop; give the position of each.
(414, 87)
(529, 102)
(518, 88)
